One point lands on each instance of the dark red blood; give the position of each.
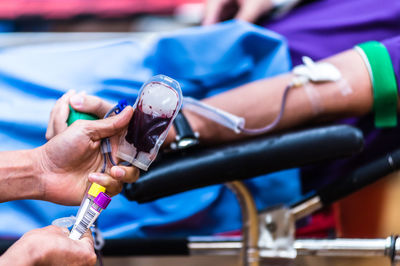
(144, 129)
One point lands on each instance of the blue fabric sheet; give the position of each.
(205, 60)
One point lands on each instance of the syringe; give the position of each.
(90, 215)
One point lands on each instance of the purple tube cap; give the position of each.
(102, 200)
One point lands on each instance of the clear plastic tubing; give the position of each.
(231, 121)
(89, 215)
(223, 118)
(275, 122)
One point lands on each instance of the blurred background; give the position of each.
(98, 15)
(44, 21)
(92, 17)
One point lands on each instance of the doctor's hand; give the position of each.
(71, 159)
(247, 10)
(90, 104)
(80, 102)
(50, 246)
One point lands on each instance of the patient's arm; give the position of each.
(259, 102)
(19, 176)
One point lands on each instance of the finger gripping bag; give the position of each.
(159, 101)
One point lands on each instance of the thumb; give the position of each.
(111, 126)
(213, 12)
(89, 104)
(87, 239)
(249, 11)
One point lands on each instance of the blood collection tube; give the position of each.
(90, 215)
(92, 192)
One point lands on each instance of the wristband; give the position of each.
(383, 82)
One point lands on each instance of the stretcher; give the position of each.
(269, 235)
(262, 240)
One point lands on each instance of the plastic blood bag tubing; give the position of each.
(157, 105)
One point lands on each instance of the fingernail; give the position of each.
(119, 172)
(77, 100)
(95, 177)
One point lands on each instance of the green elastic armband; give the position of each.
(383, 82)
(75, 115)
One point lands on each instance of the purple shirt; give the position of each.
(323, 28)
(328, 27)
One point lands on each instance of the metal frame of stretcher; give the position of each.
(269, 235)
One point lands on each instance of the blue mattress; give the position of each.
(205, 60)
